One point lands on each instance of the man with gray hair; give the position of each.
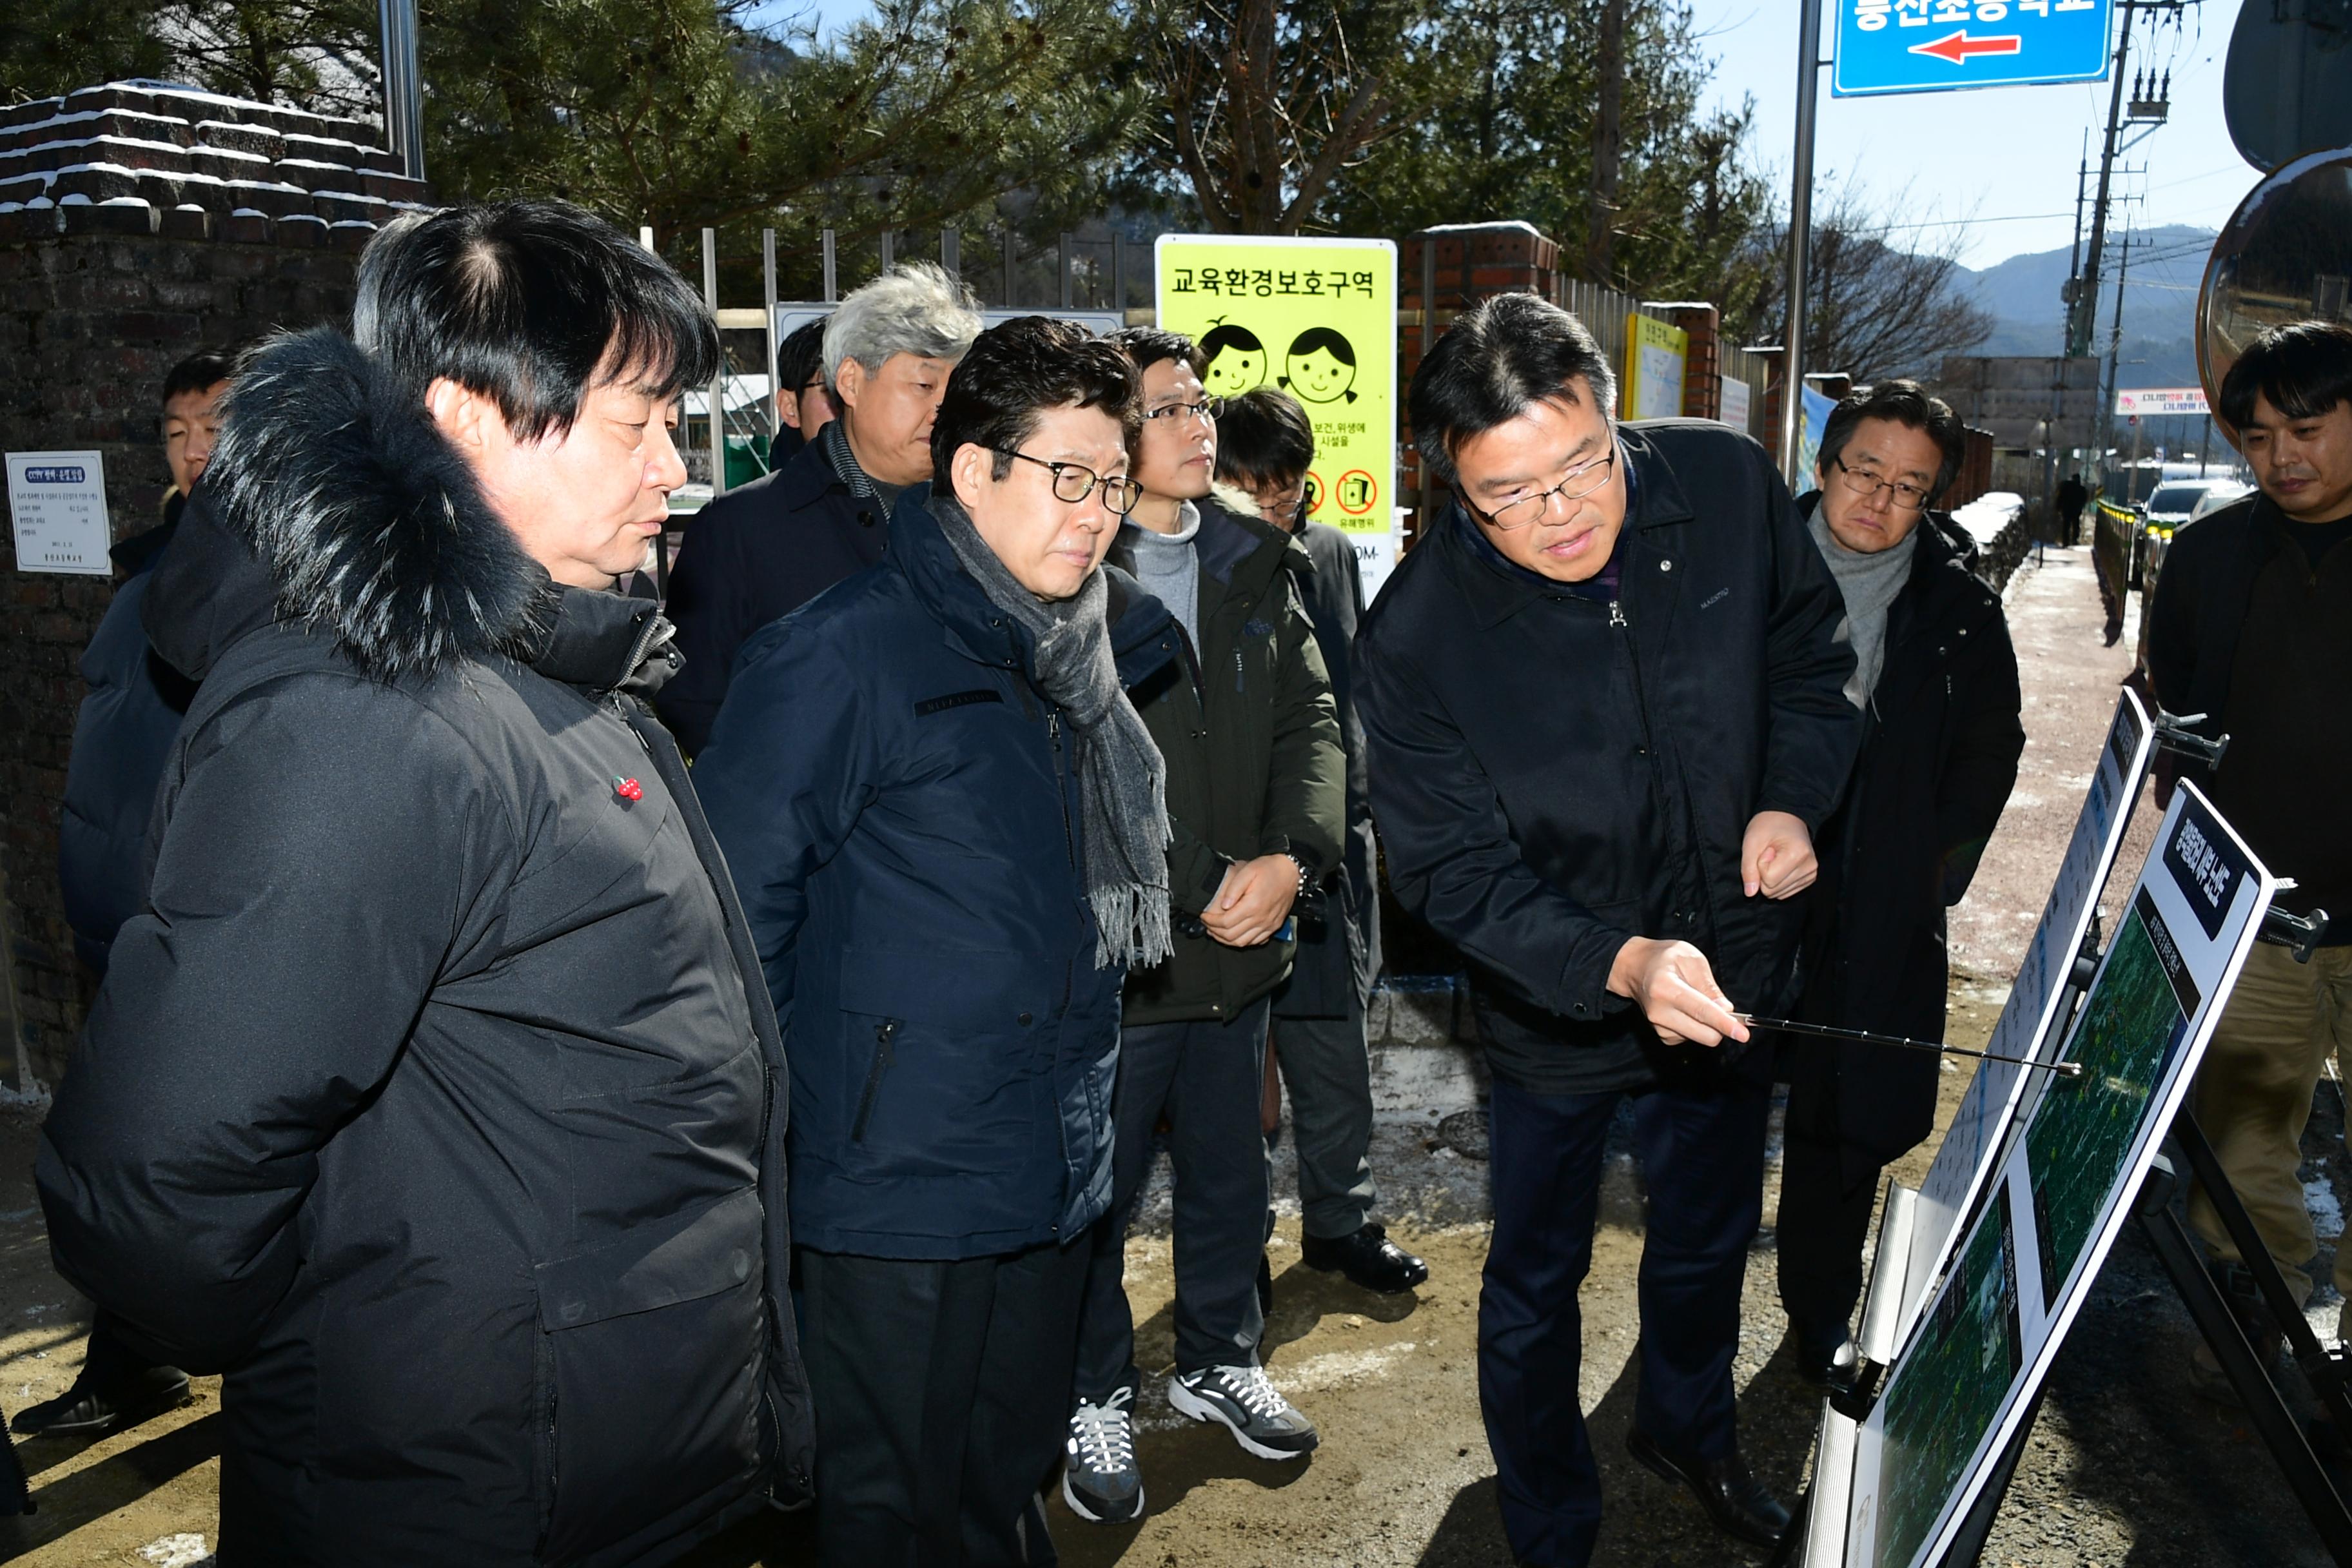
(763, 552)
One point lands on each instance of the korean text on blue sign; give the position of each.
(1935, 45)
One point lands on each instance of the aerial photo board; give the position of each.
(1966, 1159)
(2023, 1267)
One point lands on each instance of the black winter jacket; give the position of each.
(1254, 760)
(1553, 775)
(750, 556)
(432, 1098)
(899, 803)
(1938, 758)
(1338, 944)
(123, 734)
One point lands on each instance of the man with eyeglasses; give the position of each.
(1256, 802)
(1602, 701)
(803, 407)
(1936, 681)
(949, 828)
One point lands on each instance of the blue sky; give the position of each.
(2000, 162)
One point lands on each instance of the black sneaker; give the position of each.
(1369, 1258)
(87, 1410)
(1100, 1479)
(1260, 1419)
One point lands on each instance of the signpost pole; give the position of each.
(1801, 225)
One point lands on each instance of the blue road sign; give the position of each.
(1936, 45)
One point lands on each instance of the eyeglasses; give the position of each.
(1907, 498)
(1210, 411)
(1074, 482)
(1579, 482)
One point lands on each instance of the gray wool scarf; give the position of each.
(1122, 779)
(1870, 584)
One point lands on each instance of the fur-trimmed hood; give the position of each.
(367, 523)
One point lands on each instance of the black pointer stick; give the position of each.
(1860, 1038)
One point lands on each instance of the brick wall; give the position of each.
(98, 297)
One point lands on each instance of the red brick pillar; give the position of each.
(1702, 363)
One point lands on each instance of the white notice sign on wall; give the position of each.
(58, 502)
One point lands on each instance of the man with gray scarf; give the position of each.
(948, 827)
(1936, 681)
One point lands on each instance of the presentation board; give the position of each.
(2023, 1264)
(1970, 1152)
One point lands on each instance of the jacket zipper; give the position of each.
(883, 1057)
(1061, 785)
(1618, 622)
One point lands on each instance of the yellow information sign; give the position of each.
(1315, 318)
(1656, 357)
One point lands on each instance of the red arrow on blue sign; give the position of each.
(1958, 47)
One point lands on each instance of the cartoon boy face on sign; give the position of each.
(1236, 359)
(1321, 367)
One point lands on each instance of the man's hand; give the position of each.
(1252, 900)
(1675, 987)
(1776, 857)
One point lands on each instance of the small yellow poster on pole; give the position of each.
(1655, 358)
(1316, 319)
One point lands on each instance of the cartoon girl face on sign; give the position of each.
(1321, 367)
(1236, 359)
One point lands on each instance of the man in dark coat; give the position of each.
(1936, 681)
(430, 1097)
(1256, 782)
(949, 824)
(2252, 628)
(765, 549)
(1601, 701)
(1265, 446)
(123, 736)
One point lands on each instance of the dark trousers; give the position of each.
(1206, 1077)
(1824, 1219)
(1702, 1156)
(942, 1394)
(1328, 1071)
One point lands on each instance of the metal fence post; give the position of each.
(1009, 301)
(952, 252)
(831, 282)
(1118, 272)
(890, 248)
(768, 319)
(719, 378)
(1065, 271)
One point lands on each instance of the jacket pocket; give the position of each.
(653, 1351)
(951, 1081)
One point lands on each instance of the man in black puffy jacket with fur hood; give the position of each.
(435, 1097)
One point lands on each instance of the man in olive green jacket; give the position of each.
(1258, 800)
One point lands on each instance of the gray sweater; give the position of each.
(1169, 568)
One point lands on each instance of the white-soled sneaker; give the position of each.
(1260, 1419)
(1100, 1479)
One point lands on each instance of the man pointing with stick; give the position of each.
(1603, 707)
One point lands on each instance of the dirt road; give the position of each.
(2125, 1467)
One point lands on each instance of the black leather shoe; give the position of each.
(1369, 1258)
(87, 1410)
(1734, 1498)
(1832, 1364)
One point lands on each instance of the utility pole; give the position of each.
(2148, 107)
(404, 128)
(2115, 348)
(1801, 228)
(2082, 318)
